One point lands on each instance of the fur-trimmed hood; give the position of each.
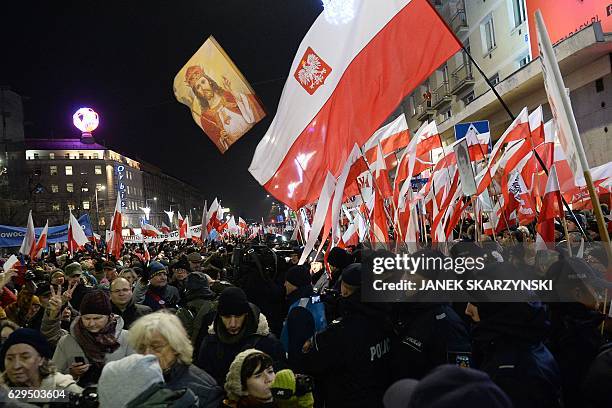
(256, 323)
(233, 384)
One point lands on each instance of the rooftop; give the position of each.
(61, 144)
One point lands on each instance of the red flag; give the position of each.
(551, 207)
(41, 244)
(391, 137)
(327, 98)
(164, 228)
(76, 236)
(149, 230)
(115, 244)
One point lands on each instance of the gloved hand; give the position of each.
(291, 392)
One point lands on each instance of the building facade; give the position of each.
(67, 175)
(496, 34)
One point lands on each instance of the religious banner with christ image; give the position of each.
(221, 101)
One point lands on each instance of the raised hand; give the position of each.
(55, 301)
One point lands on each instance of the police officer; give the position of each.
(351, 356)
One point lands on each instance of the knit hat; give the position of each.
(123, 380)
(156, 268)
(299, 276)
(445, 387)
(26, 336)
(339, 258)
(35, 300)
(44, 289)
(96, 302)
(233, 302)
(351, 275)
(284, 391)
(233, 383)
(73, 269)
(194, 257)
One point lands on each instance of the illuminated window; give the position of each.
(54, 188)
(55, 207)
(53, 170)
(70, 187)
(84, 189)
(98, 169)
(51, 156)
(71, 206)
(69, 170)
(67, 156)
(86, 205)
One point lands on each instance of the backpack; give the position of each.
(316, 308)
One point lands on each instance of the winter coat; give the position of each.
(351, 357)
(54, 381)
(219, 349)
(205, 387)
(427, 335)
(68, 348)
(197, 305)
(148, 295)
(311, 315)
(158, 395)
(131, 313)
(507, 345)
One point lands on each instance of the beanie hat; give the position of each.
(284, 390)
(73, 269)
(233, 383)
(96, 302)
(56, 273)
(195, 257)
(156, 268)
(43, 289)
(123, 380)
(299, 276)
(233, 301)
(339, 258)
(351, 275)
(444, 387)
(35, 300)
(26, 336)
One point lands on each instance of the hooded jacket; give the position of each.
(219, 348)
(158, 396)
(68, 348)
(351, 356)
(197, 304)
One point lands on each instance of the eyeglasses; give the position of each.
(156, 348)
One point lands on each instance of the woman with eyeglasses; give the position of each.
(162, 334)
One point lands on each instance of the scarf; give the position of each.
(97, 345)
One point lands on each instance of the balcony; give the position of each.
(425, 111)
(459, 22)
(462, 78)
(441, 96)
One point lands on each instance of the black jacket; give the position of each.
(351, 357)
(507, 345)
(181, 376)
(131, 313)
(162, 298)
(219, 349)
(426, 336)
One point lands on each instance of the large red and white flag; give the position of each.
(552, 207)
(115, 244)
(391, 137)
(242, 224)
(41, 244)
(328, 103)
(76, 236)
(180, 220)
(149, 230)
(212, 217)
(12, 262)
(29, 240)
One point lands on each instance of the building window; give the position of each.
(69, 170)
(51, 156)
(55, 206)
(96, 156)
(86, 205)
(487, 31)
(98, 169)
(84, 189)
(446, 115)
(36, 156)
(70, 187)
(67, 156)
(469, 98)
(71, 206)
(81, 156)
(520, 14)
(524, 61)
(53, 170)
(54, 188)
(494, 79)
(98, 186)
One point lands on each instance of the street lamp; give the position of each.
(101, 188)
(146, 209)
(86, 120)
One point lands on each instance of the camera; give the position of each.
(88, 398)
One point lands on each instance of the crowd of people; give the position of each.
(241, 324)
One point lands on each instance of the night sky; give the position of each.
(120, 58)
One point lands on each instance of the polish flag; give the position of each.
(41, 244)
(164, 228)
(115, 244)
(149, 230)
(242, 223)
(328, 103)
(76, 236)
(183, 226)
(212, 216)
(203, 229)
(180, 220)
(391, 137)
(29, 240)
(11, 263)
(147, 256)
(552, 207)
(536, 126)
